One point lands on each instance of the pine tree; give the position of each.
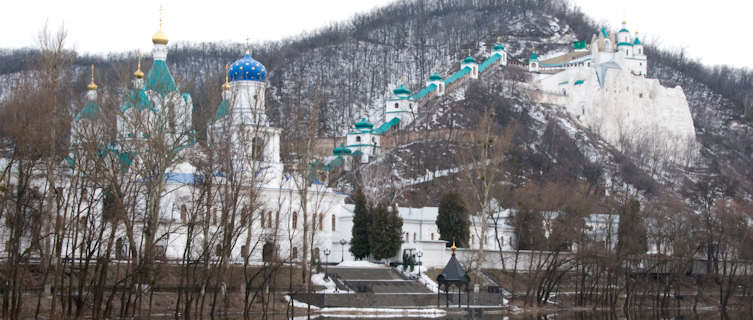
(453, 220)
(632, 237)
(359, 243)
(386, 232)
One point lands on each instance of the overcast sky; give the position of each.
(715, 32)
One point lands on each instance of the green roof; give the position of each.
(90, 111)
(533, 56)
(435, 77)
(499, 46)
(469, 59)
(624, 30)
(604, 32)
(364, 124)
(637, 42)
(578, 82)
(159, 79)
(624, 44)
(579, 45)
(387, 125)
(222, 110)
(138, 99)
(401, 91)
(340, 150)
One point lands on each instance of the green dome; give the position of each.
(364, 124)
(341, 150)
(90, 111)
(469, 59)
(624, 30)
(498, 47)
(401, 91)
(637, 42)
(435, 77)
(533, 56)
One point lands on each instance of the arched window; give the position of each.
(407, 237)
(358, 138)
(396, 105)
(333, 223)
(261, 216)
(414, 237)
(321, 222)
(295, 220)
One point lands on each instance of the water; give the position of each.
(595, 315)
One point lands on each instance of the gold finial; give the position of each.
(138, 74)
(624, 22)
(453, 247)
(92, 85)
(469, 52)
(226, 86)
(159, 37)
(499, 39)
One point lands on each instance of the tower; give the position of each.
(624, 43)
(363, 140)
(499, 49)
(401, 106)
(436, 80)
(533, 62)
(470, 63)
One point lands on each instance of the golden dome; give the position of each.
(138, 74)
(453, 247)
(159, 37)
(92, 85)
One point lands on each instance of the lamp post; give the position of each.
(342, 249)
(419, 255)
(326, 263)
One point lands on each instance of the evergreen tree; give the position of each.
(359, 243)
(529, 229)
(453, 220)
(386, 232)
(632, 237)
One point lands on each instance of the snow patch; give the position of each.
(360, 264)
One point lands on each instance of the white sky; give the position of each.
(715, 32)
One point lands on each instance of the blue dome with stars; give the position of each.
(247, 69)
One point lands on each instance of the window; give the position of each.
(410, 106)
(261, 216)
(414, 237)
(333, 222)
(472, 239)
(432, 236)
(294, 254)
(396, 105)
(269, 219)
(407, 237)
(321, 222)
(295, 220)
(358, 138)
(183, 213)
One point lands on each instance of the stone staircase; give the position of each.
(375, 280)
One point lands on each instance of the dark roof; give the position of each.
(453, 273)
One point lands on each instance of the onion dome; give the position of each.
(92, 85)
(533, 56)
(247, 69)
(469, 59)
(341, 150)
(498, 47)
(364, 124)
(138, 73)
(624, 28)
(401, 91)
(159, 37)
(435, 77)
(637, 41)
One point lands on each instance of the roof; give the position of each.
(387, 125)
(637, 42)
(469, 59)
(401, 91)
(159, 79)
(604, 32)
(533, 56)
(137, 98)
(90, 111)
(499, 46)
(624, 30)
(247, 69)
(457, 75)
(341, 149)
(222, 110)
(577, 45)
(488, 62)
(364, 124)
(453, 273)
(435, 77)
(425, 91)
(624, 44)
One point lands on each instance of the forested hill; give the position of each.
(348, 67)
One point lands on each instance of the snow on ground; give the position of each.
(318, 279)
(428, 282)
(298, 304)
(381, 312)
(360, 264)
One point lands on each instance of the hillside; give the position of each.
(348, 68)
